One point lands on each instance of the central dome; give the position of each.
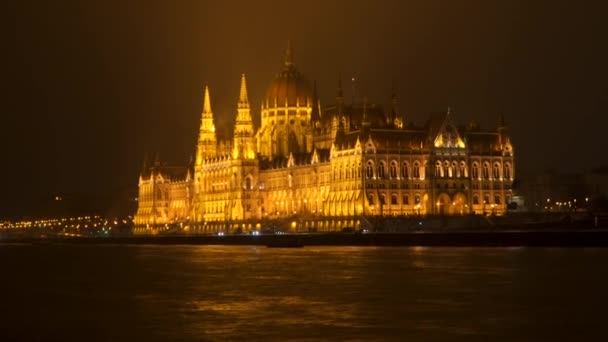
(288, 88)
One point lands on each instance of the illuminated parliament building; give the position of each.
(325, 168)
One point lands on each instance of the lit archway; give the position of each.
(459, 204)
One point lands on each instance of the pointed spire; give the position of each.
(391, 119)
(315, 114)
(156, 159)
(288, 55)
(243, 140)
(364, 119)
(243, 100)
(146, 165)
(501, 121)
(340, 94)
(207, 101)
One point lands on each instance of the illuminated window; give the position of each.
(497, 199)
(382, 199)
(369, 170)
(447, 170)
(496, 171)
(416, 170)
(370, 199)
(486, 171)
(417, 199)
(393, 169)
(475, 199)
(455, 170)
(405, 171)
(475, 171)
(486, 199)
(406, 199)
(438, 171)
(507, 171)
(381, 170)
(463, 170)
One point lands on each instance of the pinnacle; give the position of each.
(243, 100)
(207, 101)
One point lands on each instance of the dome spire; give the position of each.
(288, 55)
(243, 100)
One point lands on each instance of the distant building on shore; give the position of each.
(327, 166)
(564, 192)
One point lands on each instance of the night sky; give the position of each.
(90, 87)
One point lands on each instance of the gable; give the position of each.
(447, 136)
(370, 147)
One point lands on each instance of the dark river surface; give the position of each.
(240, 293)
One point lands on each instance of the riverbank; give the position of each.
(540, 238)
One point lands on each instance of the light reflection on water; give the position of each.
(199, 293)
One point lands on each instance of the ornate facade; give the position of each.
(325, 169)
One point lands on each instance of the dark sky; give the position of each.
(90, 87)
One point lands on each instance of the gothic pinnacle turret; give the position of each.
(206, 102)
(243, 100)
(243, 146)
(207, 142)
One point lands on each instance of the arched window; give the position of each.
(497, 199)
(248, 183)
(463, 170)
(416, 170)
(455, 170)
(417, 199)
(382, 199)
(381, 170)
(475, 199)
(359, 170)
(352, 170)
(486, 199)
(369, 170)
(496, 171)
(447, 172)
(405, 171)
(370, 199)
(393, 169)
(507, 171)
(438, 171)
(406, 199)
(486, 171)
(393, 199)
(340, 175)
(475, 171)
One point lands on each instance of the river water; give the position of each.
(242, 293)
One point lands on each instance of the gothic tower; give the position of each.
(207, 141)
(243, 145)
